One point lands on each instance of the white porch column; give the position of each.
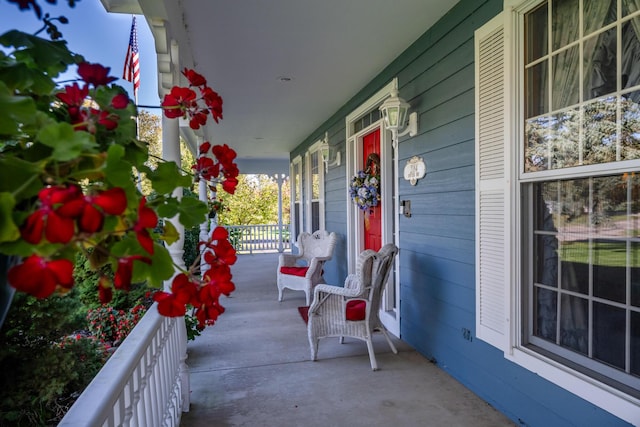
(171, 152)
(280, 180)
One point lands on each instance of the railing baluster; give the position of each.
(138, 384)
(259, 237)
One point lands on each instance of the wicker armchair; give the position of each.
(315, 249)
(352, 311)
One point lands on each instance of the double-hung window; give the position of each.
(581, 186)
(296, 196)
(558, 179)
(314, 189)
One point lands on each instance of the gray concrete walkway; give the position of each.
(252, 368)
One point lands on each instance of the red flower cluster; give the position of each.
(63, 209)
(41, 277)
(222, 170)
(63, 215)
(183, 101)
(74, 97)
(203, 294)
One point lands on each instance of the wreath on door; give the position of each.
(365, 185)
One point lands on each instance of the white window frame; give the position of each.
(314, 149)
(296, 220)
(499, 292)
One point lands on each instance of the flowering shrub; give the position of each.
(112, 326)
(86, 349)
(67, 158)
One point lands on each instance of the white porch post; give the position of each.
(203, 196)
(280, 180)
(171, 152)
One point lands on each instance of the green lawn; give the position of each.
(612, 254)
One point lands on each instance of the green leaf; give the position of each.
(192, 212)
(161, 267)
(14, 111)
(14, 170)
(21, 78)
(167, 177)
(67, 144)
(8, 229)
(53, 57)
(168, 208)
(169, 233)
(117, 171)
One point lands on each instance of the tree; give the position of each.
(255, 202)
(150, 131)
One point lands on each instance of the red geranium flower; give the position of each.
(206, 168)
(105, 292)
(204, 148)
(57, 227)
(39, 277)
(213, 101)
(95, 74)
(90, 218)
(120, 101)
(106, 119)
(124, 272)
(168, 304)
(198, 119)
(184, 289)
(73, 95)
(195, 79)
(229, 185)
(147, 218)
(178, 101)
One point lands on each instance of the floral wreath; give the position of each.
(365, 185)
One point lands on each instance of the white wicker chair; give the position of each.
(352, 311)
(314, 250)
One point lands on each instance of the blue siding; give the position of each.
(437, 256)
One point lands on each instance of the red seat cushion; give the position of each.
(295, 271)
(356, 310)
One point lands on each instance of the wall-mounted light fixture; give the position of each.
(394, 114)
(325, 151)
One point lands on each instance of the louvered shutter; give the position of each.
(492, 190)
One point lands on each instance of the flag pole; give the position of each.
(131, 73)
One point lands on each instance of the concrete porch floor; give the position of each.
(252, 368)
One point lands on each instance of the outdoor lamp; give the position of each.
(394, 114)
(325, 151)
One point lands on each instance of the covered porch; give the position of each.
(253, 368)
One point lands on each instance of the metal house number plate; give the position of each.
(415, 169)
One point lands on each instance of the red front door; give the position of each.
(372, 222)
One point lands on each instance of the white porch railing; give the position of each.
(259, 238)
(144, 383)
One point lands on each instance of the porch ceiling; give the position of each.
(283, 67)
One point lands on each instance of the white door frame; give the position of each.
(389, 315)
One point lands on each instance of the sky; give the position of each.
(98, 36)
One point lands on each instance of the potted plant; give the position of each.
(69, 158)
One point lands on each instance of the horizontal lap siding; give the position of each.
(437, 243)
(335, 212)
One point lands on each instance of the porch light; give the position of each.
(325, 152)
(394, 114)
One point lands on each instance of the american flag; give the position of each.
(131, 71)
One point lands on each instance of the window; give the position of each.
(581, 275)
(296, 196)
(315, 189)
(558, 194)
